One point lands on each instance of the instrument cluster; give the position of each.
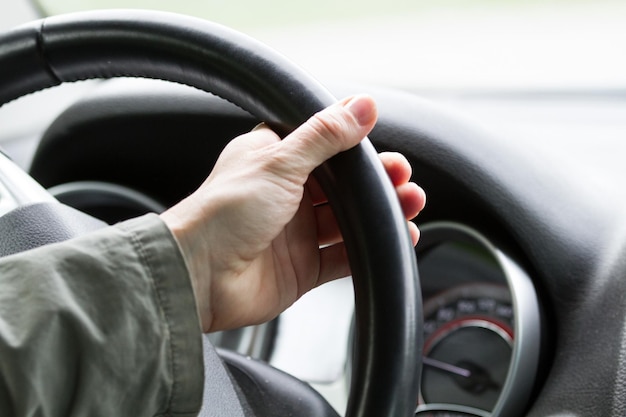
(481, 326)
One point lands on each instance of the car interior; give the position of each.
(513, 302)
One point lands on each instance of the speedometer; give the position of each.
(468, 333)
(482, 326)
(482, 329)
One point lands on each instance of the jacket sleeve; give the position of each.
(101, 325)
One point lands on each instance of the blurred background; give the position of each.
(426, 45)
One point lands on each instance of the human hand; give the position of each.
(257, 234)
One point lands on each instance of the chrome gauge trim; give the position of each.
(430, 410)
(18, 188)
(527, 344)
(7, 202)
(252, 341)
(526, 319)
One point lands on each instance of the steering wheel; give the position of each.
(210, 57)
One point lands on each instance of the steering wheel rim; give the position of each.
(213, 58)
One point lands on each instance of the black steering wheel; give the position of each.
(213, 58)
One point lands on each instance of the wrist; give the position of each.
(193, 252)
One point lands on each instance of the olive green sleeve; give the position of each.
(101, 325)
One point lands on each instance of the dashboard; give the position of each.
(520, 249)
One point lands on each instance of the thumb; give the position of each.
(335, 129)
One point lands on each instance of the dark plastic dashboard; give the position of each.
(552, 221)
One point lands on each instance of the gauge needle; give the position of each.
(476, 379)
(434, 363)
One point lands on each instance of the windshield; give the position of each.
(428, 45)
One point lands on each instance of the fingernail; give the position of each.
(362, 108)
(259, 126)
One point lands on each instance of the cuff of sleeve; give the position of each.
(161, 254)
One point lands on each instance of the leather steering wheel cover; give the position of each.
(213, 58)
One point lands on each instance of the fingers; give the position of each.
(332, 130)
(412, 199)
(334, 258)
(399, 171)
(414, 232)
(397, 167)
(335, 129)
(411, 196)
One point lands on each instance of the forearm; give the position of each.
(104, 324)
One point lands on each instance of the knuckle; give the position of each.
(329, 125)
(280, 162)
